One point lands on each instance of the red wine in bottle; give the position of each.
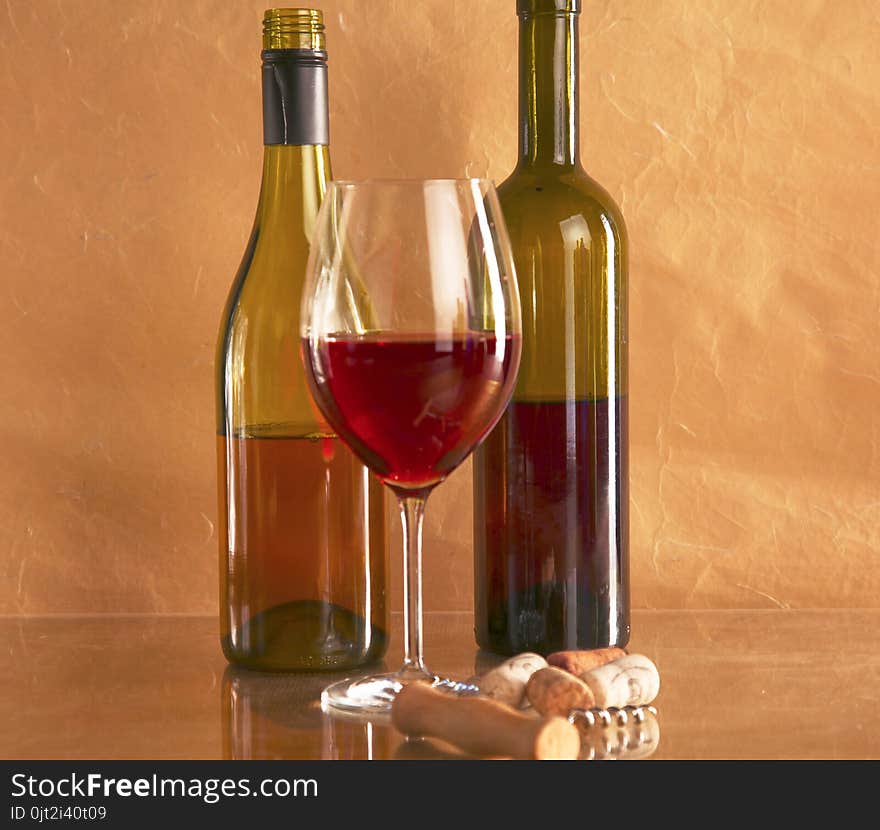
(551, 522)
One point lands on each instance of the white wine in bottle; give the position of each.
(303, 544)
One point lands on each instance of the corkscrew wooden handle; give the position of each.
(481, 726)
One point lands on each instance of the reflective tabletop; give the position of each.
(734, 684)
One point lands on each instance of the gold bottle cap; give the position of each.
(293, 29)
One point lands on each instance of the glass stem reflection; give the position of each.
(412, 513)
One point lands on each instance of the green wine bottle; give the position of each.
(303, 543)
(550, 483)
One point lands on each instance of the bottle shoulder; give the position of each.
(540, 197)
(270, 277)
(294, 182)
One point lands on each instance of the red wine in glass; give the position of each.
(412, 406)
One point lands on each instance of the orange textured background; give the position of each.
(740, 137)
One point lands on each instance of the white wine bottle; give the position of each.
(303, 543)
(550, 483)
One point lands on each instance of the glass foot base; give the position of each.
(374, 694)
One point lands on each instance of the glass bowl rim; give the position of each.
(410, 182)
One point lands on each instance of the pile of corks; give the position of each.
(600, 678)
(526, 705)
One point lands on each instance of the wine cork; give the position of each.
(553, 691)
(630, 681)
(578, 662)
(507, 683)
(481, 726)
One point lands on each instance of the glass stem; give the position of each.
(412, 512)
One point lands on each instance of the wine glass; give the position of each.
(411, 344)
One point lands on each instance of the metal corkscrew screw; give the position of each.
(605, 717)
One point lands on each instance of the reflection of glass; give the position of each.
(410, 332)
(278, 717)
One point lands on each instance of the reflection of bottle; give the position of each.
(550, 482)
(268, 716)
(302, 523)
(278, 717)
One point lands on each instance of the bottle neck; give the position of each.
(293, 185)
(295, 97)
(296, 156)
(548, 90)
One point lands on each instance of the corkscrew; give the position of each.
(628, 732)
(481, 726)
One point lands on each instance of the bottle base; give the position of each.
(304, 636)
(538, 621)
